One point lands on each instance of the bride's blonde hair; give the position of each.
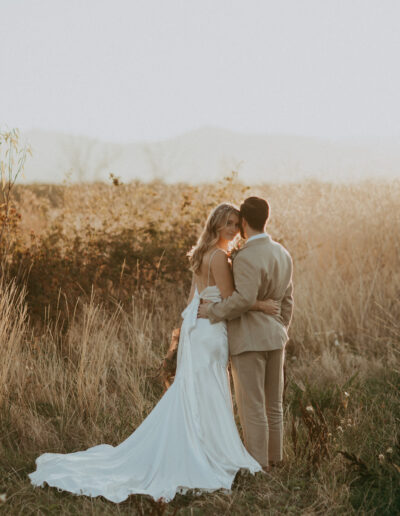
(210, 234)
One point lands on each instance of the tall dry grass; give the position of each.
(79, 370)
(13, 328)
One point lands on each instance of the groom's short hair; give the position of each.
(256, 212)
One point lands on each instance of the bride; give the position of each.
(189, 440)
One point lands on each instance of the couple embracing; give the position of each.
(190, 440)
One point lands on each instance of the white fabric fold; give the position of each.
(189, 441)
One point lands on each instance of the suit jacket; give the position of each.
(262, 269)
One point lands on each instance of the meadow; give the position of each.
(94, 278)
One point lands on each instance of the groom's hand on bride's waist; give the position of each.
(202, 310)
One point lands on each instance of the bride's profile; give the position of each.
(190, 439)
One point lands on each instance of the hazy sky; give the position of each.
(149, 69)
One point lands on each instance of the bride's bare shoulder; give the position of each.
(212, 257)
(219, 259)
(215, 254)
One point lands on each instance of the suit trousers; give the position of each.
(258, 381)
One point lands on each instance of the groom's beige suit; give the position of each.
(262, 269)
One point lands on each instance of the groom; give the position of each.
(262, 269)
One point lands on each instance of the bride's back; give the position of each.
(205, 277)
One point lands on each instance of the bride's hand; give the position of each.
(269, 306)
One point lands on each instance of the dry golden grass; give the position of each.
(80, 372)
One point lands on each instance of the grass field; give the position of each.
(95, 278)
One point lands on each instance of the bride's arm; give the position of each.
(223, 277)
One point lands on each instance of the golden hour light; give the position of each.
(199, 257)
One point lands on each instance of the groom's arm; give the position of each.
(247, 284)
(287, 305)
(287, 301)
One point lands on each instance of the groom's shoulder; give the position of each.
(279, 244)
(280, 249)
(243, 254)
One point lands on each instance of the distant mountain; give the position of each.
(207, 154)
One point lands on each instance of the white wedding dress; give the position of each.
(188, 441)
